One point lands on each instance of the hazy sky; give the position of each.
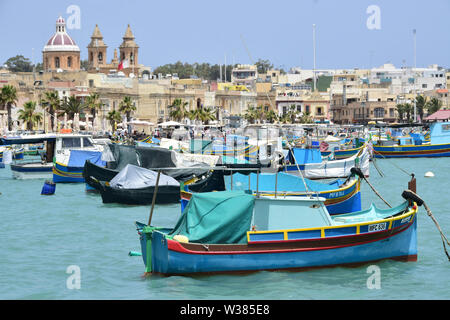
(347, 33)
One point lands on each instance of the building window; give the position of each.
(391, 113)
(57, 62)
(424, 85)
(307, 110)
(379, 112)
(100, 56)
(319, 110)
(69, 62)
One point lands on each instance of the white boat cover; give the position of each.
(174, 144)
(338, 168)
(183, 158)
(134, 177)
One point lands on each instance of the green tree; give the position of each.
(306, 118)
(29, 115)
(8, 97)
(84, 64)
(19, 64)
(409, 109)
(71, 106)
(433, 105)
(93, 104)
(263, 65)
(271, 116)
(401, 110)
(127, 106)
(178, 110)
(206, 115)
(114, 117)
(292, 113)
(251, 114)
(51, 103)
(421, 103)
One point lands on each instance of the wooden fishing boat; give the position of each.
(136, 185)
(341, 196)
(439, 145)
(233, 231)
(69, 167)
(333, 168)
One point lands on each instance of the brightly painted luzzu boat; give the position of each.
(341, 196)
(439, 145)
(70, 168)
(232, 231)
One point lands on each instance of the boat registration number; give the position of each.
(377, 227)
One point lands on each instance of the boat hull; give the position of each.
(412, 151)
(141, 196)
(171, 257)
(25, 171)
(62, 173)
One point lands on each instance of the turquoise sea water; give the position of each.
(41, 236)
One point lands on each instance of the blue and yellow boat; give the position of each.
(70, 169)
(233, 231)
(438, 145)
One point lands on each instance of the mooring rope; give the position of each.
(430, 214)
(398, 167)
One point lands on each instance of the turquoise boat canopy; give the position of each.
(208, 218)
(284, 181)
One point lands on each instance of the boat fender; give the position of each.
(181, 238)
(409, 195)
(357, 171)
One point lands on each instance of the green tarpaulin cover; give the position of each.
(216, 217)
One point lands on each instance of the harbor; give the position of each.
(80, 230)
(127, 174)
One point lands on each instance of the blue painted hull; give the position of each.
(168, 258)
(63, 173)
(419, 151)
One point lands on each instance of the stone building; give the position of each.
(61, 53)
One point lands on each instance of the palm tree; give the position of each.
(401, 111)
(433, 105)
(114, 117)
(421, 103)
(8, 97)
(72, 106)
(306, 118)
(127, 106)
(259, 113)
(93, 104)
(193, 115)
(206, 115)
(250, 114)
(178, 110)
(408, 110)
(271, 116)
(29, 115)
(292, 113)
(52, 103)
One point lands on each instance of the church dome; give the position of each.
(61, 41)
